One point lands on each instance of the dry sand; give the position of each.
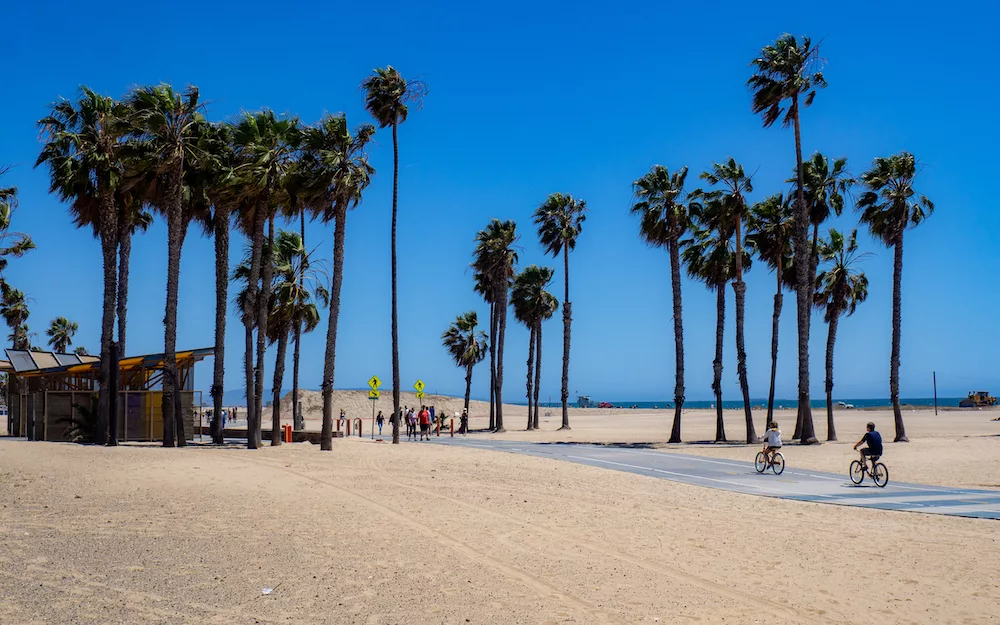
(420, 533)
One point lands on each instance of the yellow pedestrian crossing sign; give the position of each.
(419, 386)
(373, 394)
(420, 394)
(374, 383)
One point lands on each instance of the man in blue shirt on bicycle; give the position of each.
(874, 441)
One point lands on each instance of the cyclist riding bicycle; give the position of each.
(874, 442)
(772, 440)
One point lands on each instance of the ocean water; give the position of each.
(778, 403)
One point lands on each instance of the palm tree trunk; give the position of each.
(897, 319)
(468, 388)
(538, 369)
(124, 254)
(395, 315)
(831, 338)
(501, 335)
(567, 320)
(249, 320)
(813, 265)
(804, 288)
(493, 364)
(720, 328)
(171, 387)
(297, 422)
(675, 284)
(531, 370)
(263, 308)
(109, 247)
(740, 288)
(775, 318)
(330, 355)
(279, 374)
(221, 300)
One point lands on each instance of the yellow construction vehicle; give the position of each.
(977, 399)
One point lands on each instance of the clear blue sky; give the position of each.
(527, 99)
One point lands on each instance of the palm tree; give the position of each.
(332, 175)
(548, 308)
(81, 351)
(658, 201)
(734, 184)
(494, 259)
(131, 220)
(484, 288)
(387, 97)
(560, 220)
(770, 233)
(889, 206)
(785, 71)
(170, 126)
(466, 344)
(532, 303)
(14, 310)
(61, 333)
(222, 197)
(81, 150)
(709, 256)
(293, 300)
(839, 290)
(12, 244)
(266, 149)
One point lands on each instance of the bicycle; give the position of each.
(776, 463)
(877, 471)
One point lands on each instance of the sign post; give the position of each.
(374, 383)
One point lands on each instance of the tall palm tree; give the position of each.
(216, 164)
(331, 177)
(826, 187)
(733, 185)
(659, 202)
(531, 302)
(60, 334)
(266, 149)
(494, 258)
(14, 310)
(171, 126)
(770, 233)
(82, 151)
(388, 97)
(839, 290)
(889, 206)
(787, 70)
(466, 344)
(293, 300)
(709, 256)
(12, 244)
(560, 220)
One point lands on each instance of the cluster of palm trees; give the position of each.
(715, 233)
(559, 221)
(117, 162)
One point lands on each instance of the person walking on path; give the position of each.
(379, 420)
(463, 427)
(425, 423)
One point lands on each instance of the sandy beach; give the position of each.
(421, 533)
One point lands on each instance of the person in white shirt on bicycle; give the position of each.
(772, 440)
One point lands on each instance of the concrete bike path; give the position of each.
(740, 477)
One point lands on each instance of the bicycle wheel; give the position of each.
(760, 463)
(857, 472)
(881, 475)
(778, 464)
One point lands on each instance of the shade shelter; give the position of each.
(46, 389)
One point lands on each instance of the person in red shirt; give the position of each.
(425, 423)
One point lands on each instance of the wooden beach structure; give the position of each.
(45, 389)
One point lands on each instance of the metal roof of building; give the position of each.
(32, 363)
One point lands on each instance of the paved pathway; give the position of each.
(737, 476)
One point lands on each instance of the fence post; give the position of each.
(453, 427)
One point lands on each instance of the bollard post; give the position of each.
(453, 428)
(348, 432)
(288, 434)
(338, 425)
